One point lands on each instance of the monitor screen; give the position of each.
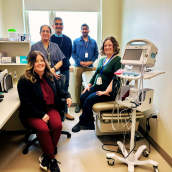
(132, 54)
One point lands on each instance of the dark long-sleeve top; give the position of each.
(31, 97)
(65, 44)
(108, 73)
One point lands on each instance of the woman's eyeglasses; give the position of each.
(61, 24)
(43, 31)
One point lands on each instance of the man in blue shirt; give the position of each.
(65, 45)
(84, 53)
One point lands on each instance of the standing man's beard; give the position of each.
(85, 35)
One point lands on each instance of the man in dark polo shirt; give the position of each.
(65, 44)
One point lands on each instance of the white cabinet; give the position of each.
(15, 48)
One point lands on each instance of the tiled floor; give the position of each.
(81, 153)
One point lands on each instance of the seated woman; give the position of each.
(39, 94)
(52, 53)
(100, 86)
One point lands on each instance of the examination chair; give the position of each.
(103, 113)
(62, 112)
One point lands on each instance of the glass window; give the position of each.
(36, 20)
(73, 21)
(72, 24)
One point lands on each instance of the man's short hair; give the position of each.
(85, 25)
(57, 18)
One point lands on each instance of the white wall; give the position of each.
(13, 16)
(152, 20)
(1, 20)
(111, 19)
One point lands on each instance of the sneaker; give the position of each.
(54, 166)
(77, 109)
(44, 162)
(88, 126)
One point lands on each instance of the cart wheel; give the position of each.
(145, 153)
(155, 169)
(111, 161)
(69, 135)
(25, 151)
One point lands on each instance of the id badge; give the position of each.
(86, 55)
(99, 81)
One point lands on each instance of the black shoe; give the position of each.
(54, 166)
(44, 162)
(77, 109)
(79, 126)
(88, 126)
(76, 128)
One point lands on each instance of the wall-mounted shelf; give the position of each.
(15, 48)
(16, 42)
(12, 64)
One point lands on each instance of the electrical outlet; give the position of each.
(157, 113)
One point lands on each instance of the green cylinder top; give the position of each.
(12, 30)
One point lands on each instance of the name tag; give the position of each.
(99, 81)
(86, 55)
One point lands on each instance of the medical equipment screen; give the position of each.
(132, 54)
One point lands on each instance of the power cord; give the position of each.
(146, 136)
(148, 128)
(119, 151)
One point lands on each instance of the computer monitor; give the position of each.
(138, 52)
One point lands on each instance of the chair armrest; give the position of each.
(63, 108)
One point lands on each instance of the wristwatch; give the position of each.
(54, 68)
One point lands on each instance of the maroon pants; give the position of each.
(48, 133)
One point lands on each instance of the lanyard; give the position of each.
(47, 51)
(105, 64)
(86, 44)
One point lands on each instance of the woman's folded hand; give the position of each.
(100, 93)
(46, 118)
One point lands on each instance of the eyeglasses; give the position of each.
(61, 24)
(47, 31)
(84, 29)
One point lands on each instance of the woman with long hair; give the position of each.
(40, 94)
